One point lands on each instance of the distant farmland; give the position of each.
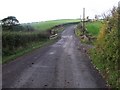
(49, 24)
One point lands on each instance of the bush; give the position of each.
(105, 55)
(14, 40)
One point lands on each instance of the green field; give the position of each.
(49, 24)
(94, 27)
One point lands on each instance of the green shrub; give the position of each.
(105, 55)
(15, 40)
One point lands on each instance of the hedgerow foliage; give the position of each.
(13, 40)
(105, 55)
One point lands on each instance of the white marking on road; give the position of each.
(67, 36)
(51, 53)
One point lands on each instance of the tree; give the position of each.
(9, 22)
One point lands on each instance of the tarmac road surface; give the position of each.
(61, 65)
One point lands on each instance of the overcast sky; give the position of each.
(42, 10)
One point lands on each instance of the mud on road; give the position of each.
(61, 65)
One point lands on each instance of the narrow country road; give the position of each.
(61, 65)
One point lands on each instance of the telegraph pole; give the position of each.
(83, 20)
